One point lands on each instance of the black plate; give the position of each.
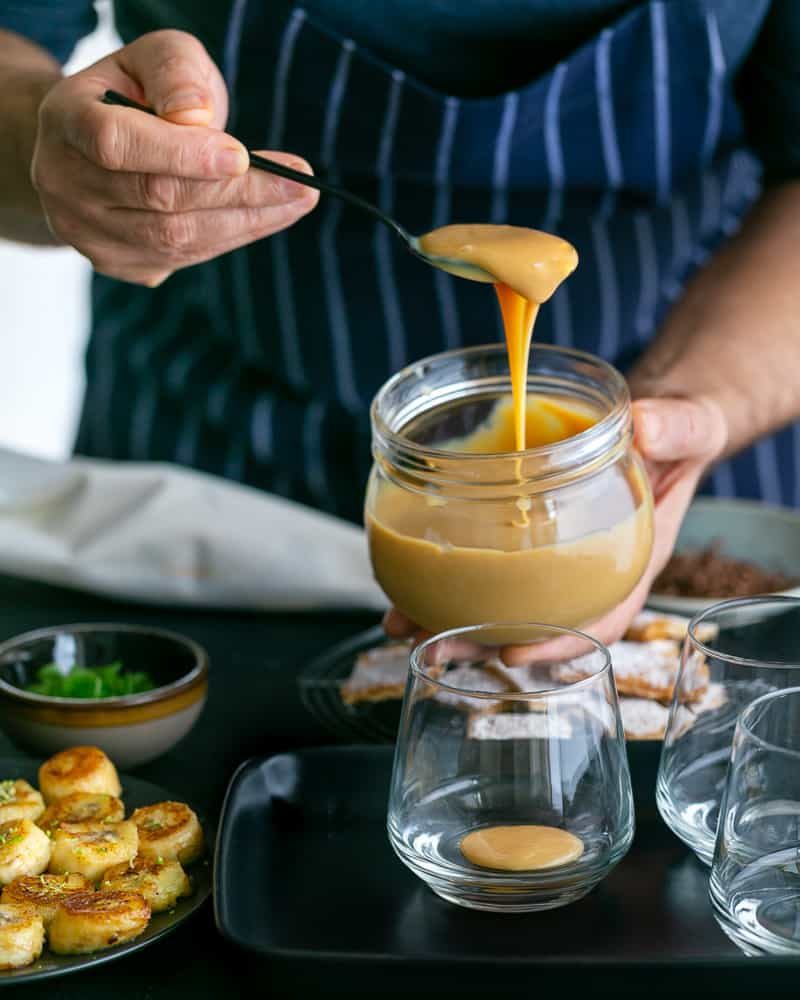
(135, 793)
(324, 890)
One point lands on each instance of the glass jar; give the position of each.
(559, 533)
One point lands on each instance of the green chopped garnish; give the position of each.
(108, 681)
(8, 790)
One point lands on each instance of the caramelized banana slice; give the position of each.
(162, 883)
(91, 848)
(19, 800)
(24, 850)
(89, 921)
(82, 807)
(170, 831)
(21, 936)
(44, 893)
(79, 769)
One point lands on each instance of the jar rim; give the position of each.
(610, 423)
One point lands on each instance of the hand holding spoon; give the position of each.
(412, 243)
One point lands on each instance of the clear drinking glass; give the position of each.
(734, 652)
(482, 745)
(755, 877)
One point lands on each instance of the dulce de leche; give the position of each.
(521, 848)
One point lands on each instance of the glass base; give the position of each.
(760, 909)
(695, 825)
(504, 892)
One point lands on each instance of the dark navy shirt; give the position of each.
(482, 47)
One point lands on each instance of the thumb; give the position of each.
(675, 430)
(178, 77)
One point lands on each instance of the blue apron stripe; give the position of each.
(443, 283)
(605, 104)
(334, 108)
(334, 295)
(282, 71)
(607, 287)
(281, 270)
(647, 304)
(233, 38)
(552, 129)
(313, 458)
(716, 93)
(562, 318)
(383, 238)
(287, 319)
(219, 396)
(261, 430)
(246, 325)
(387, 285)
(663, 151)
(769, 479)
(186, 447)
(502, 158)
(336, 309)
(143, 420)
(681, 248)
(133, 314)
(722, 481)
(235, 459)
(710, 214)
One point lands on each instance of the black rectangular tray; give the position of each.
(306, 881)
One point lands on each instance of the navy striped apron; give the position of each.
(261, 365)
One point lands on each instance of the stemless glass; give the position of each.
(755, 877)
(483, 745)
(734, 652)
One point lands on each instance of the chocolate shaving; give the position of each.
(708, 573)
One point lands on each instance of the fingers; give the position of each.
(677, 430)
(397, 625)
(123, 139)
(178, 78)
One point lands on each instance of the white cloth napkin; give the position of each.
(163, 534)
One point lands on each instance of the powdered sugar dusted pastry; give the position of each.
(378, 674)
(471, 678)
(649, 625)
(529, 677)
(518, 726)
(643, 670)
(643, 719)
(713, 698)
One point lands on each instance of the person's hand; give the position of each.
(678, 440)
(142, 196)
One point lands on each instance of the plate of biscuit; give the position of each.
(93, 866)
(355, 689)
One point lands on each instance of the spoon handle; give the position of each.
(262, 163)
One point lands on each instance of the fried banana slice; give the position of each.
(24, 850)
(170, 831)
(79, 769)
(92, 848)
(21, 936)
(90, 921)
(82, 807)
(44, 893)
(162, 883)
(19, 800)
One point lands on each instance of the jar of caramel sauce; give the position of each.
(463, 529)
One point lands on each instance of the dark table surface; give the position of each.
(253, 708)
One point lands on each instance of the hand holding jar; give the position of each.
(678, 439)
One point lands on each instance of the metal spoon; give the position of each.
(412, 243)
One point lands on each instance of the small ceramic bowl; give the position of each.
(132, 729)
(757, 532)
